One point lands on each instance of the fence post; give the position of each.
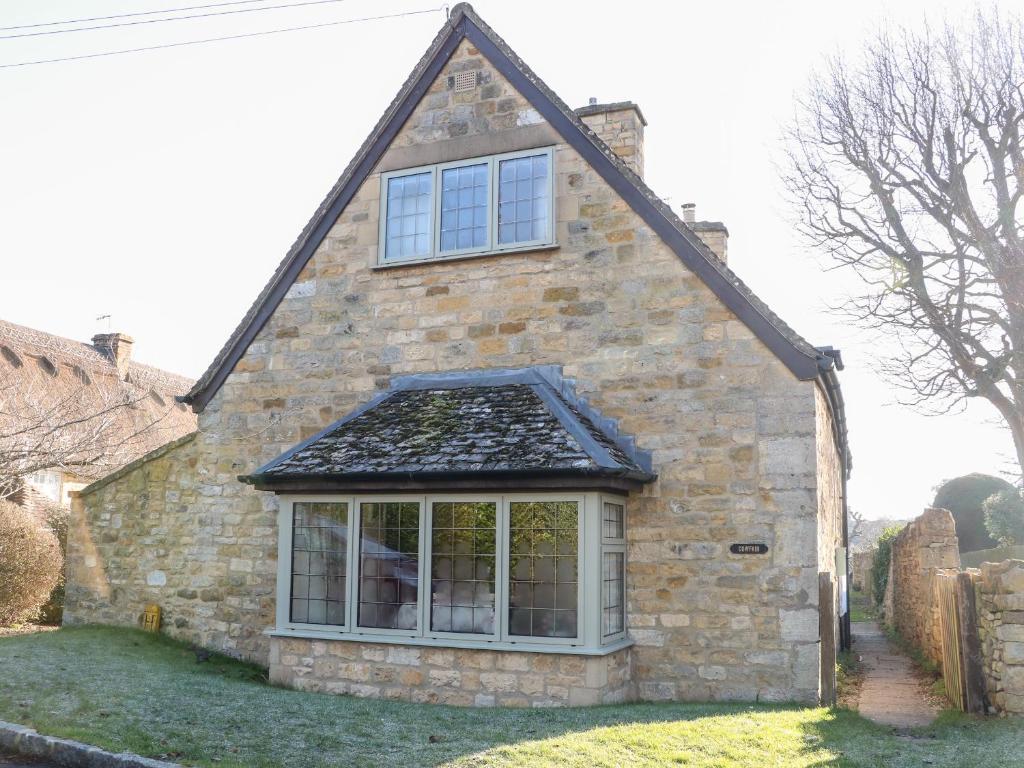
(827, 633)
(970, 646)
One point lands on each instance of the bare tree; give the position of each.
(70, 423)
(856, 524)
(907, 167)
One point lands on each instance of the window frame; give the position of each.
(356, 575)
(285, 522)
(491, 246)
(613, 545)
(383, 224)
(589, 593)
(500, 566)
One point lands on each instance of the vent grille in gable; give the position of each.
(465, 81)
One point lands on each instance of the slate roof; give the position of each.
(802, 358)
(477, 425)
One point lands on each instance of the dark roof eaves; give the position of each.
(281, 482)
(796, 353)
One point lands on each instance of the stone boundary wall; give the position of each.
(461, 677)
(927, 544)
(999, 601)
(928, 547)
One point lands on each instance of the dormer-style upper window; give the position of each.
(475, 206)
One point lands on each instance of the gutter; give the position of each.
(270, 481)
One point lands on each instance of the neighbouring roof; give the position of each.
(792, 349)
(50, 380)
(436, 428)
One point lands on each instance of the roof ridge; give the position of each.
(62, 347)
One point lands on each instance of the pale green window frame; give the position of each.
(591, 545)
(613, 543)
(492, 246)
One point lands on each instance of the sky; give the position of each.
(162, 188)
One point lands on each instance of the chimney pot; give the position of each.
(712, 233)
(593, 100)
(117, 347)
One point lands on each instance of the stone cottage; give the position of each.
(71, 412)
(501, 429)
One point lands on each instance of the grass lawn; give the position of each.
(862, 609)
(126, 690)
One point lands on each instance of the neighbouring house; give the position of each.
(501, 429)
(71, 412)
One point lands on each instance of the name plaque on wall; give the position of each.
(748, 549)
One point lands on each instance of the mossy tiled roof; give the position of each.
(462, 428)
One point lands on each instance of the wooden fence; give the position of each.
(961, 647)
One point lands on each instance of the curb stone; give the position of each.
(68, 753)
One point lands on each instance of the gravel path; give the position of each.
(892, 693)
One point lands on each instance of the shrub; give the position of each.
(963, 496)
(30, 564)
(1004, 517)
(880, 567)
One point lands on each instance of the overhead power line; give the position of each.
(128, 15)
(224, 37)
(169, 18)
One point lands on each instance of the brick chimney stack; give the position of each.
(621, 127)
(713, 233)
(117, 347)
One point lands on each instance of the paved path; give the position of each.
(892, 693)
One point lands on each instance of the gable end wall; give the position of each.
(732, 431)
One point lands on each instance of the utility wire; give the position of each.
(225, 37)
(169, 18)
(128, 15)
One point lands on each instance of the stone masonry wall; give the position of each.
(133, 540)
(733, 433)
(451, 676)
(999, 601)
(830, 498)
(926, 544)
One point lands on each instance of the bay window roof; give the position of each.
(464, 429)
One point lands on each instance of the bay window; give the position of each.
(530, 571)
(474, 206)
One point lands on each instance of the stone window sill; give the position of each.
(464, 256)
(430, 642)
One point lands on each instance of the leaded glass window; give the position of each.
(464, 202)
(524, 201)
(519, 570)
(473, 206)
(463, 556)
(613, 598)
(409, 216)
(613, 521)
(543, 567)
(319, 559)
(389, 563)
